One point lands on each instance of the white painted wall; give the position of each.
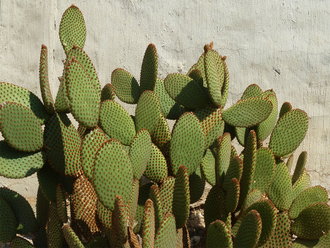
(283, 45)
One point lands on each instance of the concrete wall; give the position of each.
(282, 45)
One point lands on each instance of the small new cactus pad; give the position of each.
(116, 122)
(19, 242)
(302, 159)
(72, 29)
(20, 127)
(185, 91)
(83, 96)
(62, 143)
(90, 145)
(54, 228)
(181, 197)
(223, 155)
(253, 90)
(307, 197)
(17, 164)
(113, 173)
(265, 128)
(165, 236)
(26, 222)
(249, 232)
(119, 222)
(62, 103)
(232, 196)
(170, 109)
(248, 112)
(148, 226)
(215, 75)
(149, 69)
(235, 170)
(84, 202)
(208, 167)
(200, 67)
(264, 171)
(125, 85)
(140, 152)
(71, 237)
(280, 190)
(14, 93)
(108, 92)
(187, 144)
(44, 81)
(286, 107)
(301, 184)
(147, 112)
(42, 208)
(8, 224)
(289, 132)
(218, 235)
(313, 222)
(166, 191)
(253, 196)
(156, 169)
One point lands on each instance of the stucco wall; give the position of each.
(283, 45)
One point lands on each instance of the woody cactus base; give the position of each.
(98, 168)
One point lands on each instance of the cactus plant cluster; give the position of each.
(128, 181)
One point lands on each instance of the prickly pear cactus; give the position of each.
(125, 177)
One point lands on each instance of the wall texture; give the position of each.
(283, 45)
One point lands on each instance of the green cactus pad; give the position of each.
(133, 201)
(44, 81)
(19, 242)
(165, 235)
(147, 112)
(84, 202)
(108, 93)
(223, 155)
(185, 91)
(253, 90)
(162, 134)
(301, 184)
(249, 165)
(307, 197)
(62, 143)
(248, 112)
(265, 128)
(214, 75)
(289, 162)
(48, 180)
(82, 94)
(289, 132)
(170, 109)
(149, 69)
(71, 237)
(225, 86)
(116, 122)
(232, 196)
(253, 196)
(156, 169)
(250, 230)
(14, 93)
(72, 29)
(17, 164)
(302, 159)
(313, 222)
(42, 208)
(215, 208)
(90, 145)
(199, 66)
(26, 221)
(181, 197)
(264, 171)
(98, 241)
(211, 122)
(8, 224)
(218, 234)
(148, 228)
(235, 170)
(40, 237)
(280, 190)
(140, 152)
(54, 232)
(208, 167)
(196, 185)
(62, 103)
(119, 222)
(322, 242)
(61, 204)
(113, 173)
(125, 85)
(166, 191)
(286, 107)
(20, 127)
(154, 195)
(282, 235)
(104, 214)
(187, 144)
